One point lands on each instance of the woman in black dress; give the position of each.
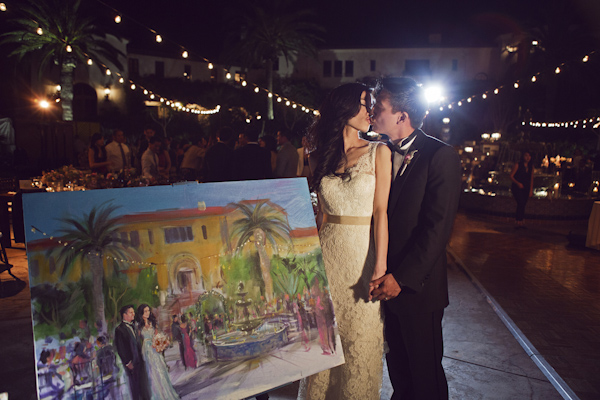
(522, 186)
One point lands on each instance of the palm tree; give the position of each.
(260, 223)
(61, 34)
(90, 239)
(268, 30)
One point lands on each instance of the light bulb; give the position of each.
(184, 54)
(90, 62)
(210, 66)
(228, 76)
(39, 31)
(118, 19)
(133, 86)
(2, 7)
(108, 72)
(69, 49)
(158, 38)
(516, 85)
(256, 89)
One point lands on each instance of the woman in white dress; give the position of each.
(352, 177)
(159, 382)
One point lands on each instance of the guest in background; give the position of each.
(251, 161)
(191, 165)
(522, 186)
(270, 143)
(164, 160)
(303, 167)
(143, 143)
(287, 156)
(97, 154)
(218, 158)
(118, 153)
(150, 159)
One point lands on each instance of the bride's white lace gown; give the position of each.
(349, 256)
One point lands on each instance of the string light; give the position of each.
(484, 96)
(516, 85)
(496, 91)
(39, 31)
(586, 59)
(2, 7)
(89, 61)
(244, 83)
(69, 49)
(108, 72)
(185, 54)
(557, 70)
(533, 79)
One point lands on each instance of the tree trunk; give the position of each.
(270, 114)
(97, 268)
(265, 262)
(67, 73)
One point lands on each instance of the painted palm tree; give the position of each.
(261, 223)
(90, 239)
(268, 29)
(60, 32)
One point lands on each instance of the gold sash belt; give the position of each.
(346, 220)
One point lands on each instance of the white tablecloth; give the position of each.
(593, 233)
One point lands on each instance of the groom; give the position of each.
(421, 210)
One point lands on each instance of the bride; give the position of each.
(352, 177)
(159, 383)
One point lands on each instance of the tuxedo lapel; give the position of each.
(400, 180)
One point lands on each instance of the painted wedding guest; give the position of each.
(176, 336)
(159, 382)
(191, 360)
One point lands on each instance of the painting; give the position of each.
(191, 291)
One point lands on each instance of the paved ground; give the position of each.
(498, 275)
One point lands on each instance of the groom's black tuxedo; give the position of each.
(421, 211)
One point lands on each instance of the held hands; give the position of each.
(384, 288)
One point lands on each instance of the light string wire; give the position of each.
(176, 105)
(517, 84)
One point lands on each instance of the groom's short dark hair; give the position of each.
(405, 94)
(124, 309)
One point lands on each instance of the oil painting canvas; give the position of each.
(191, 291)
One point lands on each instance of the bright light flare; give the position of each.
(44, 104)
(433, 94)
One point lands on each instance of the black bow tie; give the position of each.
(396, 148)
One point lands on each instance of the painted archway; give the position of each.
(185, 275)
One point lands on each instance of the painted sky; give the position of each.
(44, 210)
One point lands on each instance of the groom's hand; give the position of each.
(384, 288)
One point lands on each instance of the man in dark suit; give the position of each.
(421, 210)
(218, 158)
(251, 161)
(129, 350)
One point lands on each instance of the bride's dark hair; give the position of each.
(326, 134)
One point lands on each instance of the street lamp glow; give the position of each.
(433, 94)
(44, 104)
(446, 120)
(496, 135)
(485, 136)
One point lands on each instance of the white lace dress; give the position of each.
(349, 256)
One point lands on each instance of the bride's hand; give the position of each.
(378, 272)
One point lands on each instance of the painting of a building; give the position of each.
(237, 261)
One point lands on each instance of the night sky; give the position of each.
(202, 25)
